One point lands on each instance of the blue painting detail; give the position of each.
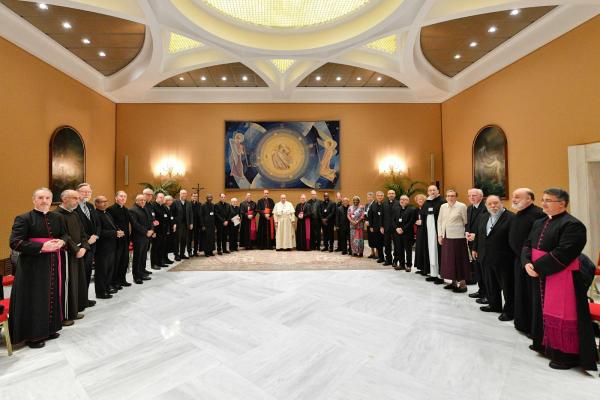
(282, 155)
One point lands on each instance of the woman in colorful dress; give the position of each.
(356, 215)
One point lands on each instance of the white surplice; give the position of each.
(283, 214)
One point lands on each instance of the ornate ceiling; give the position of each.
(285, 51)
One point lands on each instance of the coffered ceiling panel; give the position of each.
(226, 75)
(340, 75)
(454, 45)
(106, 43)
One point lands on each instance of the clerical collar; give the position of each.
(66, 209)
(476, 205)
(40, 211)
(558, 215)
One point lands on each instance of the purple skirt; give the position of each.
(455, 259)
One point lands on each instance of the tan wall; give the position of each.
(35, 99)
(194, 133)
(544, 102)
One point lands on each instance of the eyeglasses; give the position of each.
(546, 201)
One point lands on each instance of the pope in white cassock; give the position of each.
(283, 214)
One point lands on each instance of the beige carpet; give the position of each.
(271, 260)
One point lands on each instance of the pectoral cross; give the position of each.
(197, 189)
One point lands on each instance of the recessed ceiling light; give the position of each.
(101, 53)
(473, 44)
(492, 29)
(339, 78)
(43, 6)
(223, 78)
(457, 56)
(244, 78)
(85, 41)
(358, 78)
(379, 78)
(318, 77)
(202, 78)
(66, 25)
(181, 78)
(516, 11)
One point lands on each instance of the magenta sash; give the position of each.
(57, 252)
(307, 232)
(560, 308)
(252, 225)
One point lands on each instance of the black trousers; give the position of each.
(478, 273)
(389, 237)
(500, 281)
(222, 235)
(523, 298)
(121, 261)
(182, 240)
(344, 240)
(88, 262)
(234, 232)
(328, 235)
(105, 261)
(140, 254)
(197, 247)
(315, 233)
(405, 244)
(158, 252)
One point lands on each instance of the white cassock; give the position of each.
(283, 214)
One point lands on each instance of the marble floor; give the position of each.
(349, 334)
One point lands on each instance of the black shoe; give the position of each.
(38, 344)
(226, 252)
(488, 309)
(155, 267)
(537, 349)
(387, 263)
(111, 291)
(505, 317)
(146, 272)
(185, 258)
(482, 300)
(55, 335)
(471, 283)
(372, 256)
(556, 365)
(168, 262)
(460, 289)
(430, 278)
(450, 286)
(344, 253)
(104, 296)
(117, 287)
(324, 249)
(475, 295)
(220, 253)
(91, 303)
(138, 281)
(438, 281)
(146, 278)
(125, 284)
(380, 260)
(177, 258)
(338, 249)
(331, 250)
(422, 273)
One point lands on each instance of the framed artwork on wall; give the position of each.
(67, 161)
(490, 161)
(282, 155)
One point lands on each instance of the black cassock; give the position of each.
(562, 237)
(430, 207)
(266, 229)
(421, 251)
(301, 243)
(519, 231)
(35, 311)
(75, 289)
(208, 227)
(247, 208)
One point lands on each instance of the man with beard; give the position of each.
(75, 296)
(496, 257)
(429, 215)
(105, 251)
(266, 225)
(35, 297)
(91, 226)
(342, 224)
(142, 231)
(475, 211)
(248, 225)
(314, 205)
(120, 216)
(327, 216)
(375, 218)
(527, 214)
(403, 221)
(208, 225)
(158, 252)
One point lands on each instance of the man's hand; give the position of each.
(191, 226)
(530, 271)
(440, 240)
(149, 233)
(381, 230)
(418, 223)
(174, 227)
(92, 239)
(120, 233)
(80, 253)
(367, 224)
(474, 254)
(225, 223)
(155, 223)
(51, 245)
(399, 231)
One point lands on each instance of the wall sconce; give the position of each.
(392, 165)
(170, 167)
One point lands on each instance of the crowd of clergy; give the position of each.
(527, 264)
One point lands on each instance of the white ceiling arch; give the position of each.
(224, 41)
